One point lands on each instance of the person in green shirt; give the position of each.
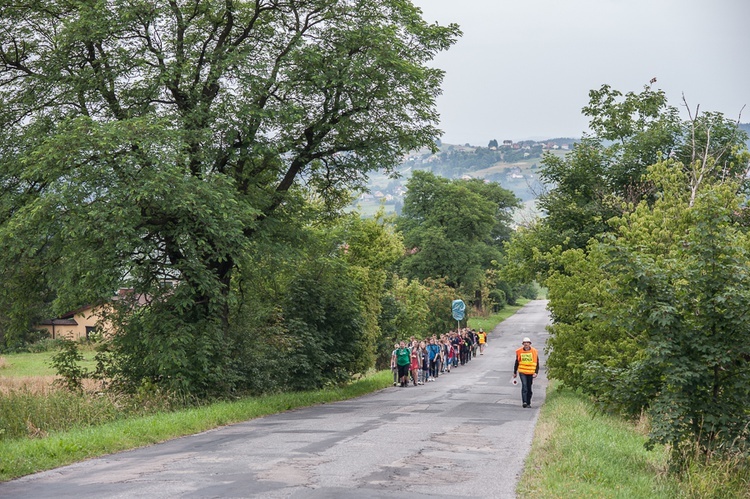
(403, 361)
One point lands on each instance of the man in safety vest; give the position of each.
(527, 365)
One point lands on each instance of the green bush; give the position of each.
(30, 341)
(45, 345)
(497, 296)
(67, 365)
(530, 291)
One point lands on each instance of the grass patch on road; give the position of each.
(20, 457)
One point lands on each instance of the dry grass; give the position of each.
(40, 385)
(3, 363)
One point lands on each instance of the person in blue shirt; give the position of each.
(433, 352)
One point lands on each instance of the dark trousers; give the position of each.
(526, 381)
(434, 368)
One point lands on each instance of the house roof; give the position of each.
(59, 322)
(67, 319)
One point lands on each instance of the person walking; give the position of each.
(474, 342)
(434, 355)
(482, 340)
(527, 365)
(414, 365)
(425, 362)
(403, 361)
(448, 353)
(394, 366)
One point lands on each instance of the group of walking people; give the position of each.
(419, 362)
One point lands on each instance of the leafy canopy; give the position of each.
(454, 228)
(151, 143)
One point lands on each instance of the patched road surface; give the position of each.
(464, 435)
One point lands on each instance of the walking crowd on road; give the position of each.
(422, 361)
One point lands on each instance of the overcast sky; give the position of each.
(523, 68)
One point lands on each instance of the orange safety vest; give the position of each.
(482, 338)
(527, 360)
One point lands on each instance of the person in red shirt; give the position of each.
(527, 365)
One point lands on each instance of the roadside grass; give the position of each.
(729, 478)
(579, 452)
(23, 456)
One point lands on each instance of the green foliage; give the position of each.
(656, 318)
(30, 341)
(530, 291)
(310, 302)
(325, 317)
(150, 144)
(604, 176)
(412, 319)
(692, 299)
(498, 300)
(646, 263)
(67, 365)
(439, 299)
(46, 345)
(454, 229)
(185, 353)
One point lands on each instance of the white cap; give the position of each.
(526, 339)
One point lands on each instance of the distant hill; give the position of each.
(513, 165)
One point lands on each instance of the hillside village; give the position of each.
(512, 164)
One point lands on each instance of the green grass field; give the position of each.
(35, 364)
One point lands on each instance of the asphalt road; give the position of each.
(465, 435)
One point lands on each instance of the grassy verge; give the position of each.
(580, 452)
(24, 456)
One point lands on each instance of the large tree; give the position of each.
(604, 175)
(655, 317)
(150, 142)
(454, 229)
(646, 266)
